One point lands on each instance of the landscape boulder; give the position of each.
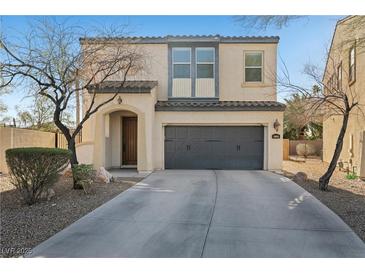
(67, 173)
(305, 149)
(48, 194)
(300, 177)
(103, 176)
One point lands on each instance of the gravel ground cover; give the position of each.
(23, 227)
(345, 197)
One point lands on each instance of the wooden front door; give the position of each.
(129, 142)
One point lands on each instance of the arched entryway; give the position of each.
(121, 144)
(108, 130)
(119, 138)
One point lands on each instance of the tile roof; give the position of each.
(185, 38)
(201, 105)
(141, 86)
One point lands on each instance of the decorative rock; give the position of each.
(48, 194)
(305, 149)
(103, 176)
(300, 177)
(68, 172)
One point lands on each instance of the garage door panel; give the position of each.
(176, 132)
(221, 148)
(197, 133)
(199, 147)
(170, 132)
(214, 147)
(250, 148)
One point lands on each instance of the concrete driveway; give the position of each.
(188, 213)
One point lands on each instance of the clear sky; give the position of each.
(303, 41)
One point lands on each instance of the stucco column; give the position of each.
(149, 140)
(276, 150)
(99, 141)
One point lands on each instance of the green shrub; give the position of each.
(83, 176)
(35, 169)
(351, 176)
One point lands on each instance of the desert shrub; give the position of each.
(351, 176)
(83, 176)
(35, 169)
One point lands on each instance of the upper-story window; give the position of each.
(205, 63)
(205, 67)
(193, 72)
(181, 62)
(253, 66)
(352, 64)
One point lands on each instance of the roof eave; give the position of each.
(189, 39)
(185, 109)
(181, 106)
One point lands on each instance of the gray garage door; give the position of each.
(214, 147)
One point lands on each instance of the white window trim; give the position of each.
(261, 67)
(352, 56)
(353, 79)
(339, 77)
(204, 63)
(180, 63)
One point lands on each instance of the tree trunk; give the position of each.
(325, 178)
(71, 144)
(72, 147)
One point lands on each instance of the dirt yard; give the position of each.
(345, 197)
(22, 227)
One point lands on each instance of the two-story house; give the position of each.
(202, 102)
(345, 70)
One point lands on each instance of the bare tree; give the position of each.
(51, 58)
(3, 107)
(330, 100)
(262, 22)
(39, 115)
(337, 96)
(299, 117)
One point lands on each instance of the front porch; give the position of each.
(128, 173)
(121, 139)
(123, 135)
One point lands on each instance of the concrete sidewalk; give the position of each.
(190, 213)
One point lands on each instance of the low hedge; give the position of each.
(35, 169)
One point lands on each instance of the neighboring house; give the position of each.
(201, 102)
(346, 70)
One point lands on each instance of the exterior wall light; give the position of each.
(120, 100)
(276, 125)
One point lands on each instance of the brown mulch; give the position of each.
(22, 227)
(345, 197)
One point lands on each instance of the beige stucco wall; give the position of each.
(151, 134)
(17, 137)
(231, 73)
(352, 150)
(85, 151)
(355, 131)
(102, 132)
(154, 67)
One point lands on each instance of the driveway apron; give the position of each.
(206, 213)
